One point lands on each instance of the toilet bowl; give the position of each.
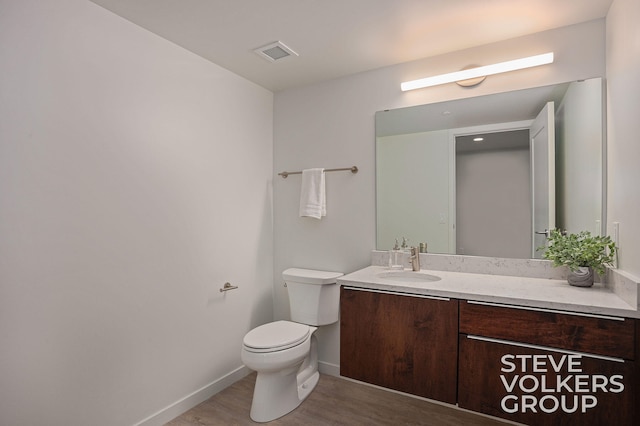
(286, 373)
(284, 353)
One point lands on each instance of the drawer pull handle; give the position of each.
(397, 293)
(544, 348)
(552, 311)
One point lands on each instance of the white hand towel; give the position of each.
(312, 194)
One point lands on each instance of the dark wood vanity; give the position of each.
(400, 342)
(531, 365)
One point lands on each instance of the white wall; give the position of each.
(579, 135)
(413, 187)
(134, 181)
(331, 124)
(623, 128)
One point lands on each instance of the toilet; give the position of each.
(284, 353)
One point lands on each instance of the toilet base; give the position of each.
(280, 392)
(305, 388)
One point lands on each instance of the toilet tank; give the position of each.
(314, 296)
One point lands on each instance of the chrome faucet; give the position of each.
(415, 258)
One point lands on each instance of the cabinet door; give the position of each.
(400, 342)
(545, 387)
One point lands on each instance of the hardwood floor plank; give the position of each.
(335, 401)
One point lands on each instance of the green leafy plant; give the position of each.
(580, 250)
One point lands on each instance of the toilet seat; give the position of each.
(276, 336)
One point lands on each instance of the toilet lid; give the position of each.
(276, 335)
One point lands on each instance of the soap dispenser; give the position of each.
(394, 261)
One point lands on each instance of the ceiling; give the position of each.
(338, 38)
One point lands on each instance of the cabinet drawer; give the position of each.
(546, 388)
(608, 336)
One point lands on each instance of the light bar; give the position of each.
(516, 64)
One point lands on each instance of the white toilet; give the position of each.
(284, 353)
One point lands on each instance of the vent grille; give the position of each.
(275, 51)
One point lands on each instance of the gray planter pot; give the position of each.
(583, 277)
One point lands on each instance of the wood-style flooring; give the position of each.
(334, 401)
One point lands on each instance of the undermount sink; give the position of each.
(408, 276)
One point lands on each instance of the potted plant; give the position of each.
(582, 253)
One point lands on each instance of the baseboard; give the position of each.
(329, 369)
(174, 410)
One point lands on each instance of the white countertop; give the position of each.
(512, 290)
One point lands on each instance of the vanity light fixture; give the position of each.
(516, 64)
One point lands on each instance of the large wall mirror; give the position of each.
(487, 176)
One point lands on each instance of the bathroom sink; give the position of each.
(407, 276)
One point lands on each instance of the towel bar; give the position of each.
(353, 169)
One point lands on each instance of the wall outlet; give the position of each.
(615, 236)
(615, 232)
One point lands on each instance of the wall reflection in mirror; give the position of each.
(486, 176)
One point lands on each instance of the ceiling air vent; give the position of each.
(275, 51)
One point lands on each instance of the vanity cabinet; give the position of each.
(399, 341)
(545, 367)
